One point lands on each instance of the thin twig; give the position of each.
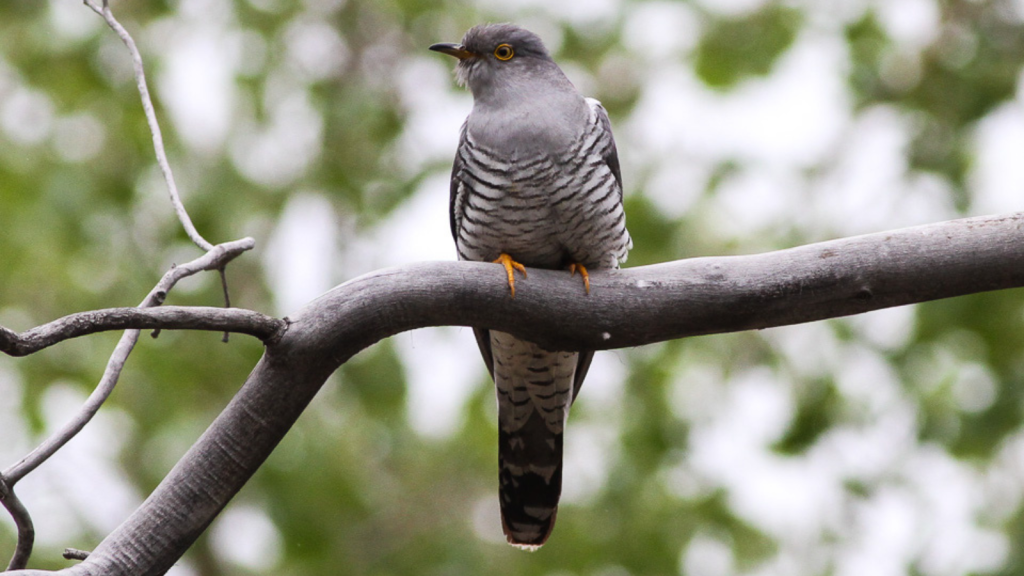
(216, 258)
(212, 260)
(23, 521)
(154, 126)
(228, 320)
(227, 298)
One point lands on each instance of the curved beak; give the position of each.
(457, 50)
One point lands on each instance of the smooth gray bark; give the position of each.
(624, 308)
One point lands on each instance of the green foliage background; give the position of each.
(355, 488)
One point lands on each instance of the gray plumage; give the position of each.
(536, 177)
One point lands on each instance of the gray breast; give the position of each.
(545, 209)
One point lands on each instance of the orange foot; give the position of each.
(511, 265)
(583, 272)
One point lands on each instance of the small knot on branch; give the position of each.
(864, 294)
(280, 330)
(8, 340)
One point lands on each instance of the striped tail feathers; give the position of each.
(530, 476)
(535, 389)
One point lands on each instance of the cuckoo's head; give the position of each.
(494, 56)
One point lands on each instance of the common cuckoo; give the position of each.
(536, 183)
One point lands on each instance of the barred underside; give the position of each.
(545, 211)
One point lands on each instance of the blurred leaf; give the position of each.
(731, 50)
(817, 410)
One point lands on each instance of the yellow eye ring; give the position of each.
(504, 52)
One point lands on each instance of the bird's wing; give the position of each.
(611, 153)
(483, 341)
(582, 367)
(455, 198)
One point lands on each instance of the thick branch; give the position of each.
(625, 308)
(167, 318)
(691, 297)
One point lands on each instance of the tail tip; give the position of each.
(526, 547)
(528, 537)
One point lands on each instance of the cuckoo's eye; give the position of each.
(504, 52)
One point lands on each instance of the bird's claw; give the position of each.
(510, 266)
(583, 272)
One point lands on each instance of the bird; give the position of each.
(535, 182)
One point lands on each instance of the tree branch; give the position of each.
(216, 258)
(154, 125)
(637, 306)
(625, 308)
(22, 521)
(238, 320)
(72, 326)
